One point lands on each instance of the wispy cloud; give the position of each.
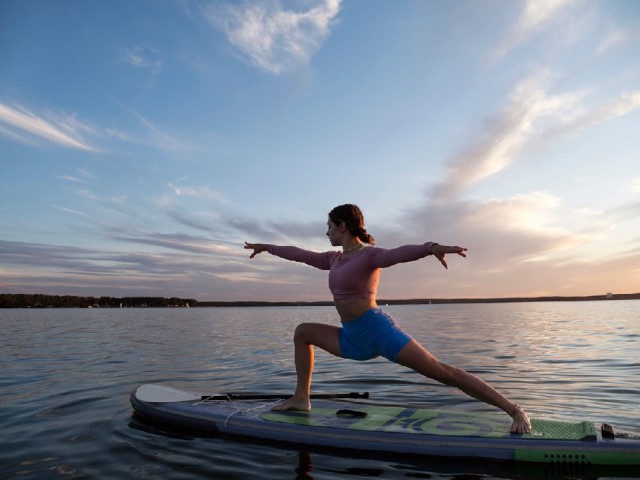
(178, 265)
(532, 117)
(627, 211)
(79, 175)
(193, 220)
(503, 137)
(146, 58)
(182, 242)
(617, 37)
(535, 15)
(63, 130)
(273, 38)
(587, 116)
(69, 210)
(57, 268)
(70, 178)
(20, 124)
(156, 137)
(203, 192)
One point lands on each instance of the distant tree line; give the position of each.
(428, 301)
(9, 300)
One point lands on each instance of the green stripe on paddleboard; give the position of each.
(311, 419)
(422, 421)
(430, 422)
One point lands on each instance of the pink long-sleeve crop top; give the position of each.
(358, 275)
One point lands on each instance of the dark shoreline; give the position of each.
(430, 301)
(69, 301)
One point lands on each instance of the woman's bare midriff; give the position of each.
(354, 307)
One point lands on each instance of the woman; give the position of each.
(366, 331)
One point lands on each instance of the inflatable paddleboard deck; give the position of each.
(353, 426)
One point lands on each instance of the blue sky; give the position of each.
(142, 142)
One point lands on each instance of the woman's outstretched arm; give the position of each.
(321, 260)
(382, 257)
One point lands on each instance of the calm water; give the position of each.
(67, 375)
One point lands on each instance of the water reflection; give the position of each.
(68, 373)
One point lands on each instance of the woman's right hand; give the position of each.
(256, 247)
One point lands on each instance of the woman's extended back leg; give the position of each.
(418, 358)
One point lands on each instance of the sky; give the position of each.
(142, 142)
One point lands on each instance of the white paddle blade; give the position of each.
(162, 394)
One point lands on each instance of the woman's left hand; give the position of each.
(439, 251)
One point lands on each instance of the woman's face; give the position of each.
(335, 233)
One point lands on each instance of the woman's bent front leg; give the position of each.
(305, 337)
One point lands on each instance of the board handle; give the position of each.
(276, 396)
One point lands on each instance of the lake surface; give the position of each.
(67, 376)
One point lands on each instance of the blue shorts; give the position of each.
(372, 334)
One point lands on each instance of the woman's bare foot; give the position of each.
(294, 403)
(521, 422)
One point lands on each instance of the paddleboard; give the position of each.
(356, 426)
